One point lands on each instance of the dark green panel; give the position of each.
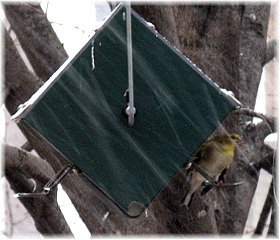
(80, 113)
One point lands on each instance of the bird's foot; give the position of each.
(183, 205)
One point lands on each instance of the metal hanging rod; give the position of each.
(130, 110)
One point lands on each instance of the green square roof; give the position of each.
(79, 111)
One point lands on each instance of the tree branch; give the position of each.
(27, 164)
(252, 113)
(27, 146)
(271, 50)
(20, 167)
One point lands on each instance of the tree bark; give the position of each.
(37, 38)
(252, 50)
(20, 83)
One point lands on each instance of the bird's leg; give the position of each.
(206, 189)
(186, 201)
(219, 184)
(190, 201)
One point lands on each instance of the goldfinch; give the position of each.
(211, 162)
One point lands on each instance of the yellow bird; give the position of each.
(211, 162)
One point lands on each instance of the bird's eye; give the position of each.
(234, 137)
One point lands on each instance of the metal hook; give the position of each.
(50, 185)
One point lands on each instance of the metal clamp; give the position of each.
(50, 185)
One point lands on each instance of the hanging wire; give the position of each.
(130, 110)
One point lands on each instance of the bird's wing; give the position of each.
(206, 147)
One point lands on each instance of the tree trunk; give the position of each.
(37, 38)
(20, 83)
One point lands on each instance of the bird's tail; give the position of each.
(196, 181)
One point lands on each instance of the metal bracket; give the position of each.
(212, 181)
(50, 185)
(204, 174)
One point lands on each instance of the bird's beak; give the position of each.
(240, 142)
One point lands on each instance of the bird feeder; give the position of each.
(82, 110)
